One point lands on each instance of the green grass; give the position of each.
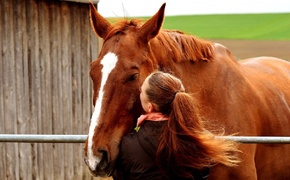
(244, 26)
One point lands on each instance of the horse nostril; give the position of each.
(105, 159)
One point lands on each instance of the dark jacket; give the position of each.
(137, 155)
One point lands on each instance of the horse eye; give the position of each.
(133, 77)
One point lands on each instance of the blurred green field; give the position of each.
(238, 26)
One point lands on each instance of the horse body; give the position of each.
(249, 97)
(256, 103)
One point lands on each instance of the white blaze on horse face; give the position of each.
(109, 62)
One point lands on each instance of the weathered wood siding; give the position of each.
(46, 49)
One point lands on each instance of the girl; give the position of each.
(170, 141)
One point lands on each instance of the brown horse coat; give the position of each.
(249, 97)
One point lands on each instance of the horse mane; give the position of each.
(176, 43)
(186, 47)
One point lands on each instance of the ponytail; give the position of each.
(186, 145)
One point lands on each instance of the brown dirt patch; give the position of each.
(243, 49)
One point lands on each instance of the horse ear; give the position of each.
(151, 28)
(100, 25)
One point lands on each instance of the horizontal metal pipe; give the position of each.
(258, 139)
(49, 138)
(42, 138)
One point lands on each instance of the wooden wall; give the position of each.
(46, 47)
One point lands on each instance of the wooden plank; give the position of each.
(66, 85)
(2, 117)
(85, 66)
(77, 108)
(44, 123)
(57, 117)
(34, 83)
(9, 91)
(22, 95)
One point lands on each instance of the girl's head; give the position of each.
(158, 91)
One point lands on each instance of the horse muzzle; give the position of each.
(102, 168)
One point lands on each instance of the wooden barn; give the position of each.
(46, 49)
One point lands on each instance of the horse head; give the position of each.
(117, 74)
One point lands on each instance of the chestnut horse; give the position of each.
(249, 97)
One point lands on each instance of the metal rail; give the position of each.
(258, 139)
(42, 138)
(49, 138)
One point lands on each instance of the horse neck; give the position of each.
(200, 64)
